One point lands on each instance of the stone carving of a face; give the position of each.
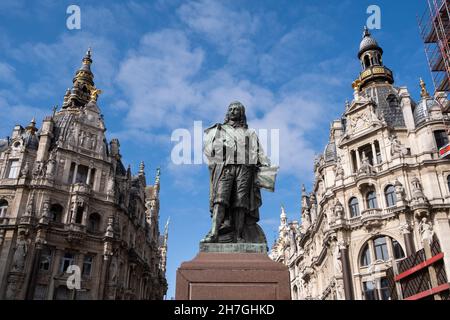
(236, 114)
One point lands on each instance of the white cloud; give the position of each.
(221, 25)
(156, 79)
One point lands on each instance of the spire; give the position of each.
(84, 74)
(157, 179)
(283, 220)
(366, 32)
(166, 229)
(305, 203)
(163, 248)
(141, 168)
(83, 89)
(32, 126)
(423, 91)
(283, 213)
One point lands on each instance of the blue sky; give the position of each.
(163, 65)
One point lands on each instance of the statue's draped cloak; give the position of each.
(216, 168)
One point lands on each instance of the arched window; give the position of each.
(3, 208)
(375, 249)
(354, 207)
(365, 256)
(372, 200)
(397, 249)
(295, 292)
(366, 61)
(56, 211)
(448, 182)
(391, 199)
(381, 251)
(94, 222)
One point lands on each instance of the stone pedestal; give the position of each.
(232, 276)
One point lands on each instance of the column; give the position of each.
(374, 153)
(407, 238)
(442, 229)
(29, 294)
(75, 172)
(55, 270)
(84, 218)
(347, 273)
(88, 180)
(5, 249)
(103, 279)
(74, 212)
(358, 160)
(431, 270)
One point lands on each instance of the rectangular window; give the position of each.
(384, 289)
(92, 178)
(441, 138)
(354, 161)
(87, 266)
(82, 174)
(14, 168)
(369, 290)
(40, 292)
(71, 172)
(46, 260)
(66, 261)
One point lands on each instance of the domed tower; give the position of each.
(375, 82)
(371, 56)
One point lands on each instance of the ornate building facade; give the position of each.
(380, 189)
(69, 208)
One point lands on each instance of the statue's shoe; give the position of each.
(209, 239)
(240, 240)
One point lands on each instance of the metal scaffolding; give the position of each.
(434, 28)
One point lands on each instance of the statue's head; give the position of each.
(236, 114)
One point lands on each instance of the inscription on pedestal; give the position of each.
(233, 247)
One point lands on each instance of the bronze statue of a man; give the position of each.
(235, 159)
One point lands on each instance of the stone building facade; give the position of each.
(380, 189)
(69, 207)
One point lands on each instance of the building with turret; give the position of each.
(74, 222)
(380, 196)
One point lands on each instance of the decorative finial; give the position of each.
(303, 189)
(347, 104)
(366, 32)
(283, 212)
(88, 57)
(423, 92)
